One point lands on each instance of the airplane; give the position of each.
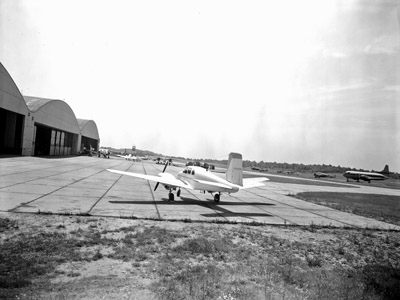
(321, 175)
(131, 157)
(198, 178)
(255, 168)
(367, 176)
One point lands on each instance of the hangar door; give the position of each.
(11, 132)
(88, 144)
(51, 141)
(42, 138)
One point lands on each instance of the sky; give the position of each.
(313, 82)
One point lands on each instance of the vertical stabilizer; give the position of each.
(234, 174)
(385, 170)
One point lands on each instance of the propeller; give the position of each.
(166, 164)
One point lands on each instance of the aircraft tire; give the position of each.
(216, 198)
(171, 197)
(178, 193)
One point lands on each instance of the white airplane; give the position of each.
(198, 178)
(130, 157)
(367, 176)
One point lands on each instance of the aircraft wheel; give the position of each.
(216, 198)
(178, 193)
(171, 197)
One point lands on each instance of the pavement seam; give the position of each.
(286, 220)
(281, 202)
(47, 194)
(152, 193)
(218, 212)
(105, 193)
(4, 187)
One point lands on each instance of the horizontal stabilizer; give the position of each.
(253, 182)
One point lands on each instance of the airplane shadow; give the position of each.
(220, 209)
(190, 201)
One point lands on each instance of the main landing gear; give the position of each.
(171, 196)
(216, 197)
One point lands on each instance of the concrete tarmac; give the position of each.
(81, 185)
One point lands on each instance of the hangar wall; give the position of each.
(89, 138)
(13, 117)
(39, 126)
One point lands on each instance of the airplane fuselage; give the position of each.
(201, 179)
(322, 175)
(366, 176)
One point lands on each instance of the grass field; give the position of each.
(76, 257)
(379, 207)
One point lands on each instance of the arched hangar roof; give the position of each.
(88, 128)
(10, 96)
(53, 113)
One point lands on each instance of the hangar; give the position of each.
(40, 127)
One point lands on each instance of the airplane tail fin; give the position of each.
(385, 170)
(234, 174)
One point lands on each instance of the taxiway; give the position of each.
(81, 185)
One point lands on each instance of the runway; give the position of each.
(81, 185)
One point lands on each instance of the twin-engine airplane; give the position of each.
(367, 176)
(198, 178)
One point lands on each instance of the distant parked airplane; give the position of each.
(321, 175)
(198, 178)
(367, 176)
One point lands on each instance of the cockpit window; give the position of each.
(192, 172)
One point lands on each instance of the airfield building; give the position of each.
(40, 127)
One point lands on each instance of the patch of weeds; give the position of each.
(83, 214)
(44, 212)
(129, 229)
(382, 280)
(7, 224)
(287, 269)
(30, 256)
(207, 246)
(242, 253)
(148, 236)
(341, 249)
(141, 256)
(128, 239)
(313, 261)
(98, 255)
(132, 217)
(194, 282)
(73, 274)
(93, 238)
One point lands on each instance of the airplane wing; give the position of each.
(366, 178)
(166, 179)
(216, 184)
(253, 182)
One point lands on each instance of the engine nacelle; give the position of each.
(167, 187)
